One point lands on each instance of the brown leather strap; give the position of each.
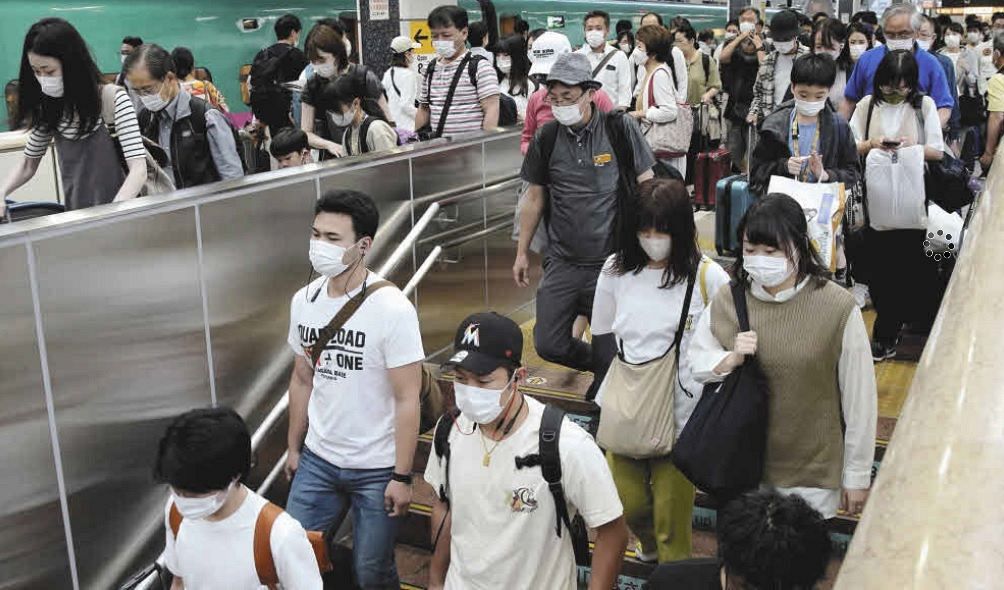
(343, 315)
(264, 564)
(174, 520)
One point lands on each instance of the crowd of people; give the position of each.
(611, 136)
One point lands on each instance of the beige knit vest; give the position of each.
(798, 344)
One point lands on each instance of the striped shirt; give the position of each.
(465, 115)
(125, 122)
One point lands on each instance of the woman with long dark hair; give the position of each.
(61, 97)
(513, 63)
(860, 38)
(830, 38)
(809, 337)
(639, 302)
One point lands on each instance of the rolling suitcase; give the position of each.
(734, 197)
(710, 166)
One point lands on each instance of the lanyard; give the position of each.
(804, 173)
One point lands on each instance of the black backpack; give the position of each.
(508, 114)
(549, 461)
(265, 70)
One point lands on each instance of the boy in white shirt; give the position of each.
(210, 518)
(496, 523)
(358, 383)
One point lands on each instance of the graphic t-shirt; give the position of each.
(212, 555)
(351, 409)
(502, 531)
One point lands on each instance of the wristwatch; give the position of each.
(401, 477)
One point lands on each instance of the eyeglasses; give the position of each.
(555, 101)
(148, 90)
(899, 35)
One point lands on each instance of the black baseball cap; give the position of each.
(485, 342)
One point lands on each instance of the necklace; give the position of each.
(486, 459)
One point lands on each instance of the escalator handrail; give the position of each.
(406, 245)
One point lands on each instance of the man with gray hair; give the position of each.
(900, 24)
(573, 172)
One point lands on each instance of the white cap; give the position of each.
(546, 50)
(403, 44)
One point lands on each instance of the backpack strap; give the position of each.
(174, 519)
(364, 131)
(449, 95)
(548, 137)
(603, 62)
(550, 462)
(344, 314)
(393, 83)
(441, 444)
(108, 94)
(264, 562)
(472, 69)
(702, 274)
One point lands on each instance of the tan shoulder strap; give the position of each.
(174, 520)
(264, 563)
(343, 315)
(703, 276)
(108, 93)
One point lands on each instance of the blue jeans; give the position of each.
(321, 496)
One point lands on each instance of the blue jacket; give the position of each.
(932, 77)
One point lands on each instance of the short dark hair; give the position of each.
(476, 33)
(597, 14)
(955, 28)
(773, 541)
(203, 451)
(866, 16)
(777, 220)
(658, 42)
(536, 33)
(623, 25)
(814, 69)
(359, 206)
(658, 17)
(732, 22)
(442, 17)
(184, 61)
(996, 16)
(895, 68)
(662, 205)
(706, 35)
(784, 25)
(287, 141)
(346, 88)
(158, 61)
(520, 26)
(687, 31)
(286, 26)
(819, 15)
(132, 41)
(678, 21)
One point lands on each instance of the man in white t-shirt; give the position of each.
(496, 522)
(353, 395)
(210, 520)
(614, 71)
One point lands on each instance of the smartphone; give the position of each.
(891, 144)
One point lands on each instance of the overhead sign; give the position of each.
(379, 9)
(419, 32)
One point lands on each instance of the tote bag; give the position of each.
(823, 204)
(636, 414)
(896, 198)
(722, 447)
(669, 140)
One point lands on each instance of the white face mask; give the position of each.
(809, 108)
(769, 271)
(504, 64)
(858, 50)
(123, 57)
(834, 53)
(657, 249)
(326, 258)
(704, 48)
(325, 70)
(153, 102)
(924, 44)
(625, 47)
(784, 47)
(747, 27)
(199, 508)
(445, 49)
(639, 57)
(342, 119)
(899, 44)
(478, 403)
(974, 38)
(595, 38)
(52, 86)
(953, 41)
(729, 35)
(567, 115)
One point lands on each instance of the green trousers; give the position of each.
(658, 504)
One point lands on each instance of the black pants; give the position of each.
(566, 292)
(905, 284)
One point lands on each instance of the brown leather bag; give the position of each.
(264, 563)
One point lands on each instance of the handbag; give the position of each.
(721, 449)
(157, 180)
(946, 182)
(636, 413)
(823, 204)
(672, 139)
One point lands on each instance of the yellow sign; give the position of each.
(419, 32)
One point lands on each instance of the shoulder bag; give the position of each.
(672, 139)
(157, 181)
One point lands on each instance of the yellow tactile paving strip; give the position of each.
(893, 378)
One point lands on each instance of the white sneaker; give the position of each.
(861, 296)
(645, 557)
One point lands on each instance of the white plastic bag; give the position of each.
(944, 231)
(895, 188)
(823, 204)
